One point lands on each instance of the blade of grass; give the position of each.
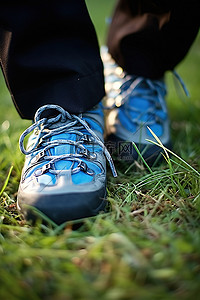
(6, 181)
(159, 142)
(174, 154)
(142, 158)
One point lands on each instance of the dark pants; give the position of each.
(148, 37)
(49, 51)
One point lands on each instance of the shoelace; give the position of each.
(154, 94)
(73, 126)
(125, 86)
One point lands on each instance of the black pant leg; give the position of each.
(154, 35)
(49, 54)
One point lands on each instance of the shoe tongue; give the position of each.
(63, 149)
(141, 103)
(59, 124)
(141, 100)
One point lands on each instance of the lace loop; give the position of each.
(182, 83)
(26, 132)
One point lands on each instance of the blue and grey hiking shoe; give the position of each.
(64, 176)
(137, 103)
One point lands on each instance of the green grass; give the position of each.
(147, 247)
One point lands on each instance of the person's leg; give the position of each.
(49, 54)
(50, 58)
(150, 37)
(147, 38)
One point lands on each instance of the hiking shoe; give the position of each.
(64, 175)
(136, 103)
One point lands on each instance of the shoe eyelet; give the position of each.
(158, 120)
(36, 131)
(90, 172)
(85, 152)
(83, 166)
(87, 139)
(46, 167)
(93, 155)
(43, 169)
(38, 172)
(40, 155)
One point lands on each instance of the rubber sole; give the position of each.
(61, 208)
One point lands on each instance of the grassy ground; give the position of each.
(147, 247)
